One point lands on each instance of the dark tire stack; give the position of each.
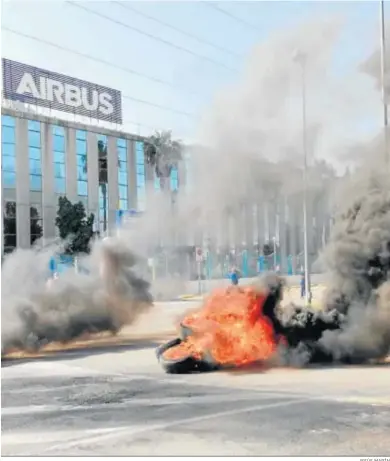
(184, 365)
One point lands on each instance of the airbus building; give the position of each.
(54, 144)
(45, 156)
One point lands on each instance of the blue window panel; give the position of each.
(59, 157)
(122, 167)
(33, 125)
(140, 170)
(82, 188)
(81, 173)
(59, 143)
(157, 183)
(81, 135)
(35, 182)
(122, 154)
(34, 153)
(122, 179)
(7, 120)
(9, 179)
(123, 192)
(8, 134)
(34, 139)
(121, 142)
(81, 147)
(8, 149)
(60, 186)
(102, 137)
(59, 170)
(123, 205)
(140, 178)
(35, 167)
(8, 163)
(82, 160)
(58, 130)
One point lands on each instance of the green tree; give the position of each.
(163, 153)
(9, 229)
(35, 225)
(74, 224)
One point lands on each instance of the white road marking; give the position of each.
(135, 430)
(147, 402)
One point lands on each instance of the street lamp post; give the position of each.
(300, 58)
(383, 82)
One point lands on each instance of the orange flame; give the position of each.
(230, 327)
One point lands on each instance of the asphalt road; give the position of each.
(118, 402)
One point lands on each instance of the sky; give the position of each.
(173, 70)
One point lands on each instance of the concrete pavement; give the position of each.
(117, 401)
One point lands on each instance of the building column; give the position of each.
(49, 198)
(132, 175)
(112, 174)
(71, 165)
(93, 175)
(22, 183)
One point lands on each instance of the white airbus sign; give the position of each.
(32, 85)
(65, 93)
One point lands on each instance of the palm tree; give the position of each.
(103, 178)
(163, 154)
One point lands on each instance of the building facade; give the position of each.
(44, 158)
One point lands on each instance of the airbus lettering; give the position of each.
(37, 86)
(65, 93)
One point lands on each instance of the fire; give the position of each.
(230, 327)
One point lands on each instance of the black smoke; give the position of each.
(107, 295)
(354, 325)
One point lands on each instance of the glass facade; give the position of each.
(188, 175)
(103, 182)
(58, 134)
(157, 184)
(34, 155)
(82, 163)
(8, 159)
(9, 227)
(174, 179)
(35, 223)
(140, 172)
(123, 178)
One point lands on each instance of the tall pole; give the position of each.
(301, 59)
(383, 83)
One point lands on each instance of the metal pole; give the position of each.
(305, 221)
(383, 82)
(275, 258)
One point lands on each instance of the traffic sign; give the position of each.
(199, 254)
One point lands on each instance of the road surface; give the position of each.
(117, 401)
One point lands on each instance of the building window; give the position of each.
(122, 174)
(174, 179)
(103, 182)
(82, 163)
(34, 155)
(58, 133)
(188, 175)
(9, 229)
(8, 159)
(157, 183)
(140, 170)
(35, 223)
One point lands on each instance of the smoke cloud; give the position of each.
(355, 323)
(106, 295)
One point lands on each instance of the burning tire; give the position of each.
(182, 362)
